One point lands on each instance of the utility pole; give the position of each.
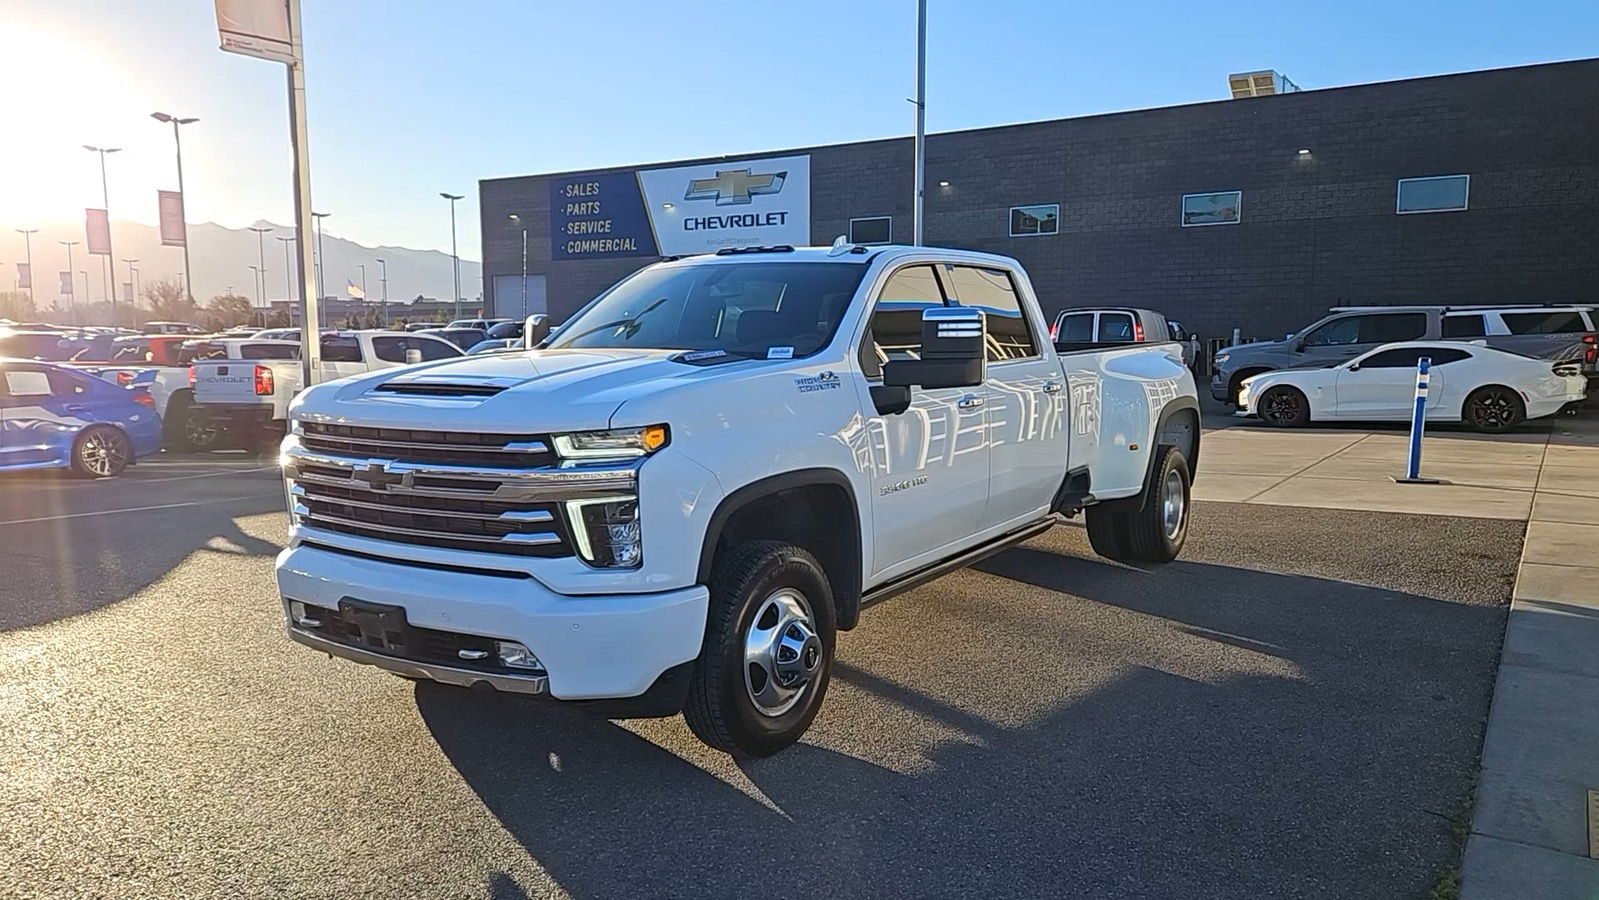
(522, 225)
(133, 281)
(921, 119)
(321, 259)
(260, 240)
(454, 253)
(72, 299)
(288, 267)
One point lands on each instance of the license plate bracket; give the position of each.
(382, 625)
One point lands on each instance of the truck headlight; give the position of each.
(606, 530)
(616, 444)
(1221, 358)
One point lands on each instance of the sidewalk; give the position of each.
(1529, 832)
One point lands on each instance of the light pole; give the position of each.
(921, 119)
(72, 299)
(288, 267)
(383, 282)
(183, 199)
(522, 225)
(260, 241)
(454, 254)
(85, 294)
(105, 199)
(322, 261)
(27, 242)
(362, 267)
(133, 278)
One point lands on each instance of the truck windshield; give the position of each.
(743, 308)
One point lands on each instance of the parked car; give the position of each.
(50, 346)
(480, 324)
(1490, 390)
(172, 328)
(464, 338)
(678, 502)
(422, 326)
(247, 402)
(495, 345)
(1091, 325)
(1554, 333)
(52, 416)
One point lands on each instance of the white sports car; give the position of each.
(1490, 390)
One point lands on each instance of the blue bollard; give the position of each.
(1418, 424)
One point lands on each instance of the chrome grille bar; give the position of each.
(510, 517)
(304, 512)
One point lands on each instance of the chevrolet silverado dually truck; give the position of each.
(677, 500)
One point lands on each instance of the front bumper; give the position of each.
(592, 647)
(1218, 387)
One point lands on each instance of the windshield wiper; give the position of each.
(630, 324)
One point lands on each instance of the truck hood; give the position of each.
(510, 393)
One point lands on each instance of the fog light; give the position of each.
(300, 615)
(606, 531)
(516, 656)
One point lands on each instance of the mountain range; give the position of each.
(221, 258)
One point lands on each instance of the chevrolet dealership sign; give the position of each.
(689, 209)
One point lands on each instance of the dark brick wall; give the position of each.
(1316, 231)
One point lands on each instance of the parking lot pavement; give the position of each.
(1292, 710)
(70, 546)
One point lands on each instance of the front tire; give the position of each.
(1155, 532)
(102, 451)
(768, 652)
(1494, 410)
(1284, 407)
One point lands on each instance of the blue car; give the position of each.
(55, 417)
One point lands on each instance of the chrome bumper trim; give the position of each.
(514, 684)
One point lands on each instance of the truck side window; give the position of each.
(1116, 327)
(1389, 328)
(1544, 322)
(1077, 327)
(1338, 331)
(1459, 326)
(1010, 335)
(895, 331)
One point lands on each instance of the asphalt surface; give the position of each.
(1293, 710)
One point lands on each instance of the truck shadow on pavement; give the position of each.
(1058, 727)
(69, 560)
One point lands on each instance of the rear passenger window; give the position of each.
(27, 384)
(1010, 335)
(268, 351)
(436, 349)
(1116, 327)
(338, 349)
(1465, 326)
(1391, 328)
(1077, 327)
(1544, 322)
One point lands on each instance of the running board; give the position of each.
(966, 558)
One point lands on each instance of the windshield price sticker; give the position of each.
(780, 353)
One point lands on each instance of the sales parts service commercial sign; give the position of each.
(683, 210)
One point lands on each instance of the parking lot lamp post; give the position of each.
(454, 253)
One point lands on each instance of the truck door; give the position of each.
(929, 464)
(1026, 398)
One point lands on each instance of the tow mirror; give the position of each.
(954, 351)
(535, 329)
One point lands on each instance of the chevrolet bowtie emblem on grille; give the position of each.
(735, 186)
(377, 476)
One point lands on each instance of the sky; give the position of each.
(407, 98)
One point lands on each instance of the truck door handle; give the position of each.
(970, 401)
(1052, 387)
(74, 407)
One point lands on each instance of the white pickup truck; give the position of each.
(248, 404)
(678, 501)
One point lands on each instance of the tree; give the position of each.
(167, 301)
(228, 310)
(16, 306)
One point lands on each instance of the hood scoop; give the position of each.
(441, 385)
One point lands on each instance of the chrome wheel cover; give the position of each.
(782, 653)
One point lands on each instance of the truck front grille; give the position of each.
(433, 489)
(411, 445)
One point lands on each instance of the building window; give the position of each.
(1438, 193)
(1030, 221)
(875, 230)
(1218, 208)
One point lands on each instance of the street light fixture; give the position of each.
(27, 242)
(105, 200)
(454, 253)
(183, 199)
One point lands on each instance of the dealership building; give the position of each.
(1258, 212)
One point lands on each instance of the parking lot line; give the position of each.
(132, 509)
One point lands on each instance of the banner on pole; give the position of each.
(66, 284)
(170, 205)
(24, 276)
(258, 28)
(354, 290)
(97, 228)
